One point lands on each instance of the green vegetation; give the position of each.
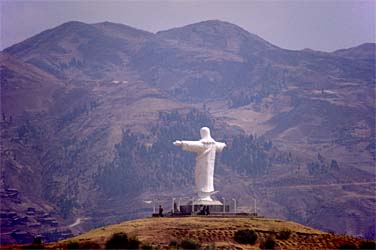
(367, 245)
(348, 246)
(212, 246)
(86, 245)
(189, 244)
(72, 245)
(37, 244)
(28, 131)
(284, 234)
(140, 159)
(321, 167)
(133, 243)
(146, 246)
(269, 243)
(117, 241)
(248, 95)
(65, 206)
(173, 243)
(135, 152)
(245, 236)
(248, 154)
(32, 246)
(37, 240)
(184, 244)
(334, 165)
(121, 241)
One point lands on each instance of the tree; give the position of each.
(117, 241)
(245, 236)
(268, 244)
(334, 165)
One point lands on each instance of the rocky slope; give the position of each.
(89, 112)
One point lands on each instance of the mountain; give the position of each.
(215, 35)
(82, 51)
(90, 111)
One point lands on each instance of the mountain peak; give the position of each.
(52, 36)
(362, 51)
(211, 26)
(218, 23)
(73, 23)
(118, 28)
(71, 26)
(214, 22)
(216, 34)
(77, 45)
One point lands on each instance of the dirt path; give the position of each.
(76, 223)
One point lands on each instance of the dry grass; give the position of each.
(216, 231)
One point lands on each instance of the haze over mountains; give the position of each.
(89, 112)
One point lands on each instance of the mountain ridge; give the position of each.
(213, 32)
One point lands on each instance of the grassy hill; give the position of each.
(214, 232)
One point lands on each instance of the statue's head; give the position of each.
(205, 133)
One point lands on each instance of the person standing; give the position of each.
(160, 211)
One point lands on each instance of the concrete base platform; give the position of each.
(198, 206)
(205, 203)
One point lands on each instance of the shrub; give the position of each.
(72, 245)
(212, 246)
(32, 246)
(146, 246)
(89, 245)
(245, 236)
(37, 244)
(37, 240)
(189, 244)
(347, 246)
(174, 243)
(366, 245)
(284, 234)
(133, 243)
(117, 241)
(268, 244)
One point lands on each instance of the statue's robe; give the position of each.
(204, 170)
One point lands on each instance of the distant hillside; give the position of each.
(363, 51)
(89, 113)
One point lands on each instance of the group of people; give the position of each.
(204, 210)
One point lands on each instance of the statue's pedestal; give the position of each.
(198, 205)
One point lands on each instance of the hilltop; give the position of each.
(218, 232)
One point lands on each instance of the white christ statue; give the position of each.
(206, 149)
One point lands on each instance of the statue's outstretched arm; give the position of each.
(220, 146)
(191, 146)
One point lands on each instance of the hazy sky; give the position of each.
(320, 25)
